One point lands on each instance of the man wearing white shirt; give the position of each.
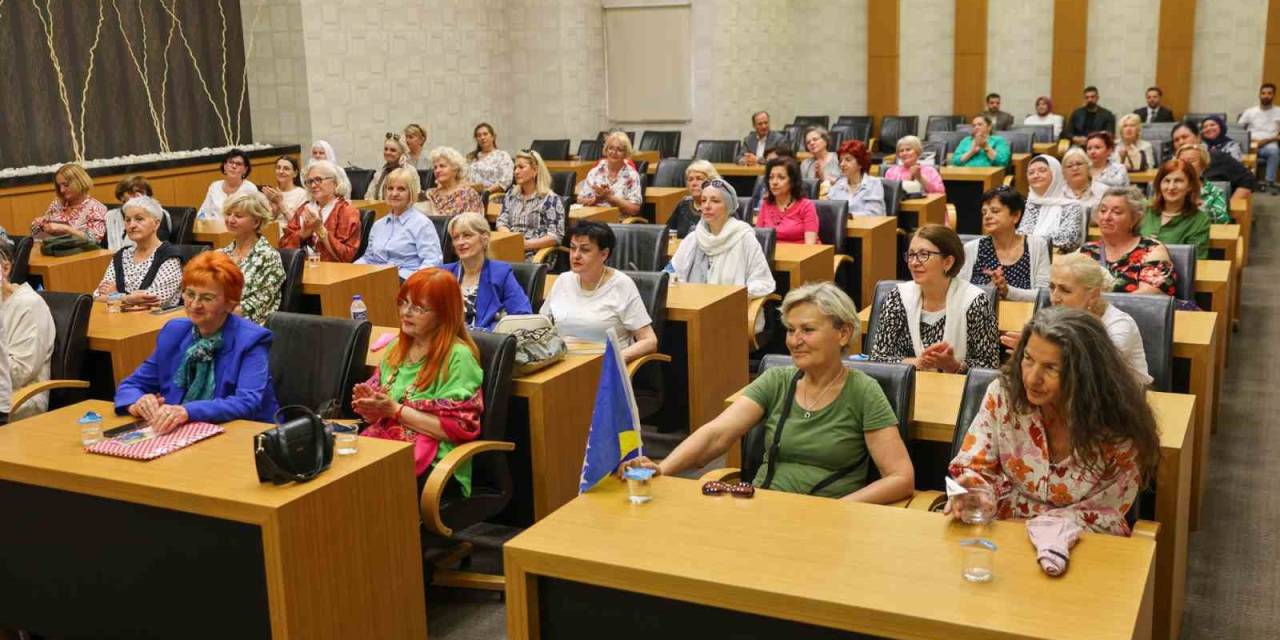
(1263, 122)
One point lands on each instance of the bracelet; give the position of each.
(399, 411)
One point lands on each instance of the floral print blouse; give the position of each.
(1136, 267)
(492, 169)
(1112, 175)
(460, 200)
(1009, 452)
(90, 217)
(626, 184)
(263, 274)
(1214, 203)
(535, 217)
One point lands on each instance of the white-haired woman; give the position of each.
(451, 195)
(260, 262)
(613, 182)
(327, 224)
(321, 150)
(395, 154)
(915, 177)
(404, 237)
(530, 207)
(838, 420)
(150, 271)
(688, 212)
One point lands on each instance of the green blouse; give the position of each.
(1190, 228)
(263, 274)
(1214, 202)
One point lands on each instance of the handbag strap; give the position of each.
(777, 430)
(317, 427)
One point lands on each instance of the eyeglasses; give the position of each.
(737, 490)
(311, 182)
(919, 256)
(407, 309)
(189, 296)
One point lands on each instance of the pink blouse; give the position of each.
(929, 176)
(790, 225)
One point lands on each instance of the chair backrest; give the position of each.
(426, 179)
(305, 375)
(942, 123)
(294, 261)
(491, 484)
(1240, 135)
(837, 138)
(21, 270)
(833, 222)
(590, 150)
(70, 313)
(642, 168)
(360, 179)
(631, 135)
(1158, 131)
(768, 238)
(182, 221)
(1154, 316)
(670, 172)
(858, 130)
(447, 253)
(940, 149)
(810, 187)
(533, 279)
(744, 213)
(1224, 186)
(1184, 264)
(894, 127)
(562, 182)
(1041, 133)
(639, 247)
(1019, 141)
(717, 150)
(666, 143)
(188, 251)
(975, 389)
(551, 149)
(883, 288)
(813, 121)
(1197, 118)
(793, 133)
(894, 194)
(853, 120)
(367, 218)
(652, 286)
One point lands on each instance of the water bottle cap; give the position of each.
(357, 297)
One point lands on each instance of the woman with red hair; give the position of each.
(427, 389)
(864, 193)
(1175, 216)
(208, 367)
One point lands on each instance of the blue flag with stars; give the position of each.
(615, 420)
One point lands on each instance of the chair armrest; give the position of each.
(754, 307)
(1063, 145)
(922, 500)
(21, 396)
(429, 501)
(542, 255)
(840, 259)
(951, 215)
(634, 365)
(1147, 529)
(871, 143)
(635, 220)
(727, 474)
(901, 504)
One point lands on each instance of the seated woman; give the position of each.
(937, 322)
(785, 209)
(1051, 212)
(613, 182)
(1174, 216)
(28, 334)
(723, 249)
(415, 138)
(1213, 201)
(488, 167)
(322, 150)
(1044, 446)
(838, 417)
(981, 148)
(1079, 183)
(130, 187)
(532, 209)
(822, 166)
(1132, 152)
(208, 367)
(451, 195)
(73, 211)
(1213, 133)
(688, 212)
(427, 390)
(327, 224)
(915, 177)
(404, 237)
(258, 260)
(864, 193)
(1014, 264)
(1137, 264)
(593, 298)
(489, 288)
(1100, 148)
(150, 271)
(1044, 115)
(394, 155)
(234, 182)
(287, 194)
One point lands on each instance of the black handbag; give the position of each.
(297, 449)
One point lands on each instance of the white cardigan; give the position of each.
(27, 349)
(1039, 247)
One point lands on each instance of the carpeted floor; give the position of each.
(1233, 572)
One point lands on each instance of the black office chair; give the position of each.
(670, 172)
(562, 183)
(891, 129)
(812, 121)
(894, 194)
(360, 179)
(794, 136)
(317, 359)
(446, 514)
(1154, 317)
(179, 229)
(768, 239)
(20, 272)
(939, 148)
(942, 123)
(833, 228)
(846, 132)
(883, 288)
(447, 252)
(810, 188)
(1019, 141)
(975, 389)
(638, 247)
(647, 381)
(590, 150)
(294, 261)
(551, 149)
(1040, 133)
(533, 279)
(70, 313)
(188, 251)
(1183, 257)
(426, 179)
(855, 127)
(717, 150)
(367, 218)
(852, 120)
(666, 143)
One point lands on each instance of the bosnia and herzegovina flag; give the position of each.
(615, 420)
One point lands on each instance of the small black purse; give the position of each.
(297, 449)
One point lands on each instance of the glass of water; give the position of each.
(345, 439)
(978, 506)
(638, 479)
(313, 257)
(978, 558)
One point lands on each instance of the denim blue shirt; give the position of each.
(409, 241)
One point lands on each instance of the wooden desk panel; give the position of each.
(336, 282)
(1142, 177)
(879, 238)
(1020, 162)
(714, 320)
(507, 246)
(128, 338)
(1050, 148)
(214, 232)
(931, 209)
(579, 168)
(664, 201)
(965, 186)
(805, 262)
(79, 273)
(379, 208)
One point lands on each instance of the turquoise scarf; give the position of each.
(195, 372)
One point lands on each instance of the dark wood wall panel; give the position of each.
(1070, 40)
(117, 120)
(882, 59)
(970, 74)
(1271, 54)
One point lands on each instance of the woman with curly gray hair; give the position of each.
(451, 195)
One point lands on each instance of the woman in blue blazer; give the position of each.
(208, 367)
(489, 288)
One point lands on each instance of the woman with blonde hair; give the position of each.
(395, 154)
(489, 288)
(1134, 153)
(415, 138)
(613, 182)
(451, 195)
(916, 178)
(404, 237)
(530, 207)
(259, 261)
(73, 211)
(688, 211)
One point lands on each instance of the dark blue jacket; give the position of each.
(242, 378)
(498, 292)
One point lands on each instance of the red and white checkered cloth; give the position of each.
(152, 448)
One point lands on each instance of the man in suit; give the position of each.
(1154, 111)
(759, 140)
(1001, 120)
(1088, 118)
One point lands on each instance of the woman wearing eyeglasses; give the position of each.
(234, 182)
(208, 367)
(327, 224)
(427, 390)
(937, 322)
(613, 182)
(395, 154)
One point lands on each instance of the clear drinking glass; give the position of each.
(978, 506)
(638, 479)
(114, 302)
(978, 559)
(345, 439)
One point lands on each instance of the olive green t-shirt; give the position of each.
(832, 438)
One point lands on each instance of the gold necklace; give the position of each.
(808, 413)
(599, 281)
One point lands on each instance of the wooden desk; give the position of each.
(652, 157)
(1049, 148)
(1213, 279)
(336, 557)
(1241, 211)
(1142, 177)
(336, 282)
(1020, 162)
(931, 209)
(729, 169)
(878, 254)
(378, 207)
(965, 186)
(214, 232)
(706, 336)
(1230, 240)
(664, 201)
(777, 563)
(805, 262)
(579, 168)
(507, 246)
(79, 273)
(127, 338)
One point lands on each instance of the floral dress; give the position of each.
(625, 184)
(1214, 203)
(1137, 267)
(461, 200)
(263, 274)
(492, 169)
(1009, 452)
(89, 217)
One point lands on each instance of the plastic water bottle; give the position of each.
(359, 312)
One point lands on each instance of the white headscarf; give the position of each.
(1057, 193)
(328, 152)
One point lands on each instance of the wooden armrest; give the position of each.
(727, 474)
(438, 479)
(901, 504)
(755, 307)
(635, 220)
(634, 365)
(1008, 180)
(1063, 145)
(542, 255)
(922, 500)
(1147, 529)
(839, 259)
(951, 215)
(871, 144)
(21, 396)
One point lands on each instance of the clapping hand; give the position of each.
(998, 281)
